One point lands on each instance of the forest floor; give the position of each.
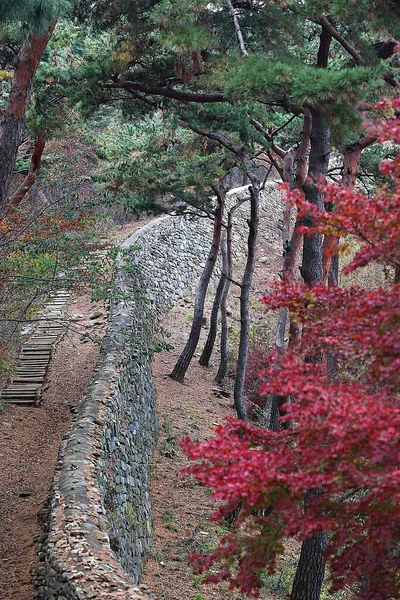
(30, 437)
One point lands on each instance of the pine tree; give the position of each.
(39, 21)
(228, 67)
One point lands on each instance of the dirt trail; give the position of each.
(30, 438)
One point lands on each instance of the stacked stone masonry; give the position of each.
(99, 527)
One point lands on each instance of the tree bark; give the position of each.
(205, 357)
(223, 365)
(34, 170)
(310, 572)
(183, 362)
(238, 392)
(12, 122)
(311, 268)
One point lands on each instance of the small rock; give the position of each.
(25, 494)
(96, 315)
(262, 259)
(76, 317)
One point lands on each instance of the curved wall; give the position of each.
(99, 515)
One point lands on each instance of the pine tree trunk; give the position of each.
(34, 169)
(183, 362)
(311, 566)
(310, 572)
(311, 268)
(205, 357)
(238, 392)
(12, 122)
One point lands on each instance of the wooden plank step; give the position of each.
(26, 395)
(23, 402)
(31, 363)
(24, 387)
(31, 373)
(21, 394)
(28, 380)
(26, 391)
(28, 375)
(31, 368)
(38, 347)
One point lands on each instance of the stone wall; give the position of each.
(99, 518)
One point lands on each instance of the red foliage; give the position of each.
(344, 435)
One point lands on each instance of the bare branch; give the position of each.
(220, 138)
(279, 151)
(165, 92)
(30, 179)
(324, 21)
(143, 98)
(237, 28)
(391, 80)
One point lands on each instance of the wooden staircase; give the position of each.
(26, 387)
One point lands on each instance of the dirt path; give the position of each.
(29, 441)
(30, 438)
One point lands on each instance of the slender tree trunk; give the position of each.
(310, 571)
(223, 365)
(12, 122)
(295, 168)
(205, 357)
(238, 392)
(34, 170)
(186, 356)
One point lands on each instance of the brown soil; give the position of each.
(29, 441)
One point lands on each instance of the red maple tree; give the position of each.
(335, 467)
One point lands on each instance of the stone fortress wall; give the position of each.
(99, 527)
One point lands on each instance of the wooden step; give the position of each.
(27, 384)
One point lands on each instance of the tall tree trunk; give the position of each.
(12, 122)
(295, 172)
(351, 169)
(186, 356)
(310, 571)
(204, 359)
(311, 268)
(238, 392)
(223, 365)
